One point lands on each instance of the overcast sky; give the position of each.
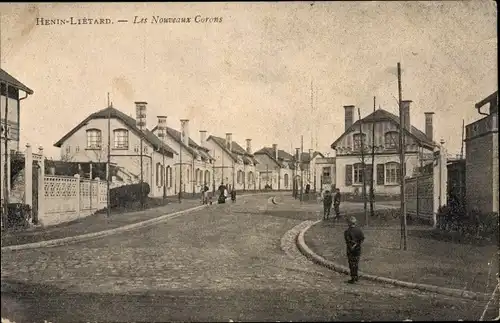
(251, 74)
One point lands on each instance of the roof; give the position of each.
(12, 81)
(129, 122)
(236, 149)
(382, 115)
(305, 157)
(193, 148)
(284, 158)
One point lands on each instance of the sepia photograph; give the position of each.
(260, 161)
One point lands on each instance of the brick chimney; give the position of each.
(249, 146)
(297, 154)
(275, 150)
(349, 116)
(203, 138)
(229, 141)
(185, 131)
(406, 114)
(140, 114)
(429, 129)
(161, 127)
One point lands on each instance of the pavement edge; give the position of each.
(104, 233)
(311, 255)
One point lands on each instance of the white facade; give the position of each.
(81, 146)
(231, 169)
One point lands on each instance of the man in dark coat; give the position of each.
(327, 204)
(354, 237)
(222, 197)
(336, 203)
(233, 196)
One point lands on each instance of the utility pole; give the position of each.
(108, 163)
(462, 146)
(363, 165)
(402, 170)
(6, 158)
(162, 134)
(372, 178)
(300, 165)
(213, 175)
(141, 122)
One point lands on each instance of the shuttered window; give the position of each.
(348, 175)
(380, 174)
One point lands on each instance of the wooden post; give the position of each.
(372, 177)
(402, 171)
(363, 166)
(78, 196)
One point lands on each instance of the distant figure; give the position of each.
(204, 194)
(222, 194)
(233, 196)
(327, 204)
(354, 237)
(336, 203)
(308, 188)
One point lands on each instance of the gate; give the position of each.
(419, 196)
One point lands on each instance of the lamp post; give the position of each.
(140, 110)
(162, 129)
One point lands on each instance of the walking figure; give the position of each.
(233, 196)
(336, 203)
(354, 237)
(327, 204)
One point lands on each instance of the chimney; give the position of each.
(275, 149)
(349, 116)
(229, 141)
(140, 114)
(297, 154)
(185, 131)
(310, 154)
(161, 127)
(249, 146)
(406, 114)
(203, 138)
(429, 130)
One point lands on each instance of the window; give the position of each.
(358, 173)
(357, 142)
(77, 149)
(391, 140)
(94, 139)
(68, 149)
(136, 149)
(250, 178)
(121, 138)
(286, 180)
(158, 170)
(169, 176)
(207, 177)
(145, 150)
(392, 173)
(326, 179)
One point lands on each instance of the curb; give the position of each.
(311, 255)
(100, 234)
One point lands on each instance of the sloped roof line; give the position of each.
(380, 115)
(128, 121)
(12, 81)
(193, 146)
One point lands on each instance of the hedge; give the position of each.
(474, 223)
(127, 194)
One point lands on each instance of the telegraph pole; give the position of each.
(6, 158)
(372, 178)
(140, 109)
(402, 171)
(108, 164)
(300, 165)
(363, 165)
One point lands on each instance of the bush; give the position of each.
(18, 215)
(452, 218)
(124, 195)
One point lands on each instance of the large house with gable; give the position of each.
(234, 166)
(385, 171)
(276, 168)
(192, 159)
(88, 142)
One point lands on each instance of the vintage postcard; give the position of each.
(249, 161)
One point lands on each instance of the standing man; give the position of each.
(327, 204)
(336, 203)
(354, 237)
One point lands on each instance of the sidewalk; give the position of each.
(94, 223)
(427, 260)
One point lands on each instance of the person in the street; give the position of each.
(327, 204)
(336, 203)
(354, 237)
(233, 196)
(222, 194)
